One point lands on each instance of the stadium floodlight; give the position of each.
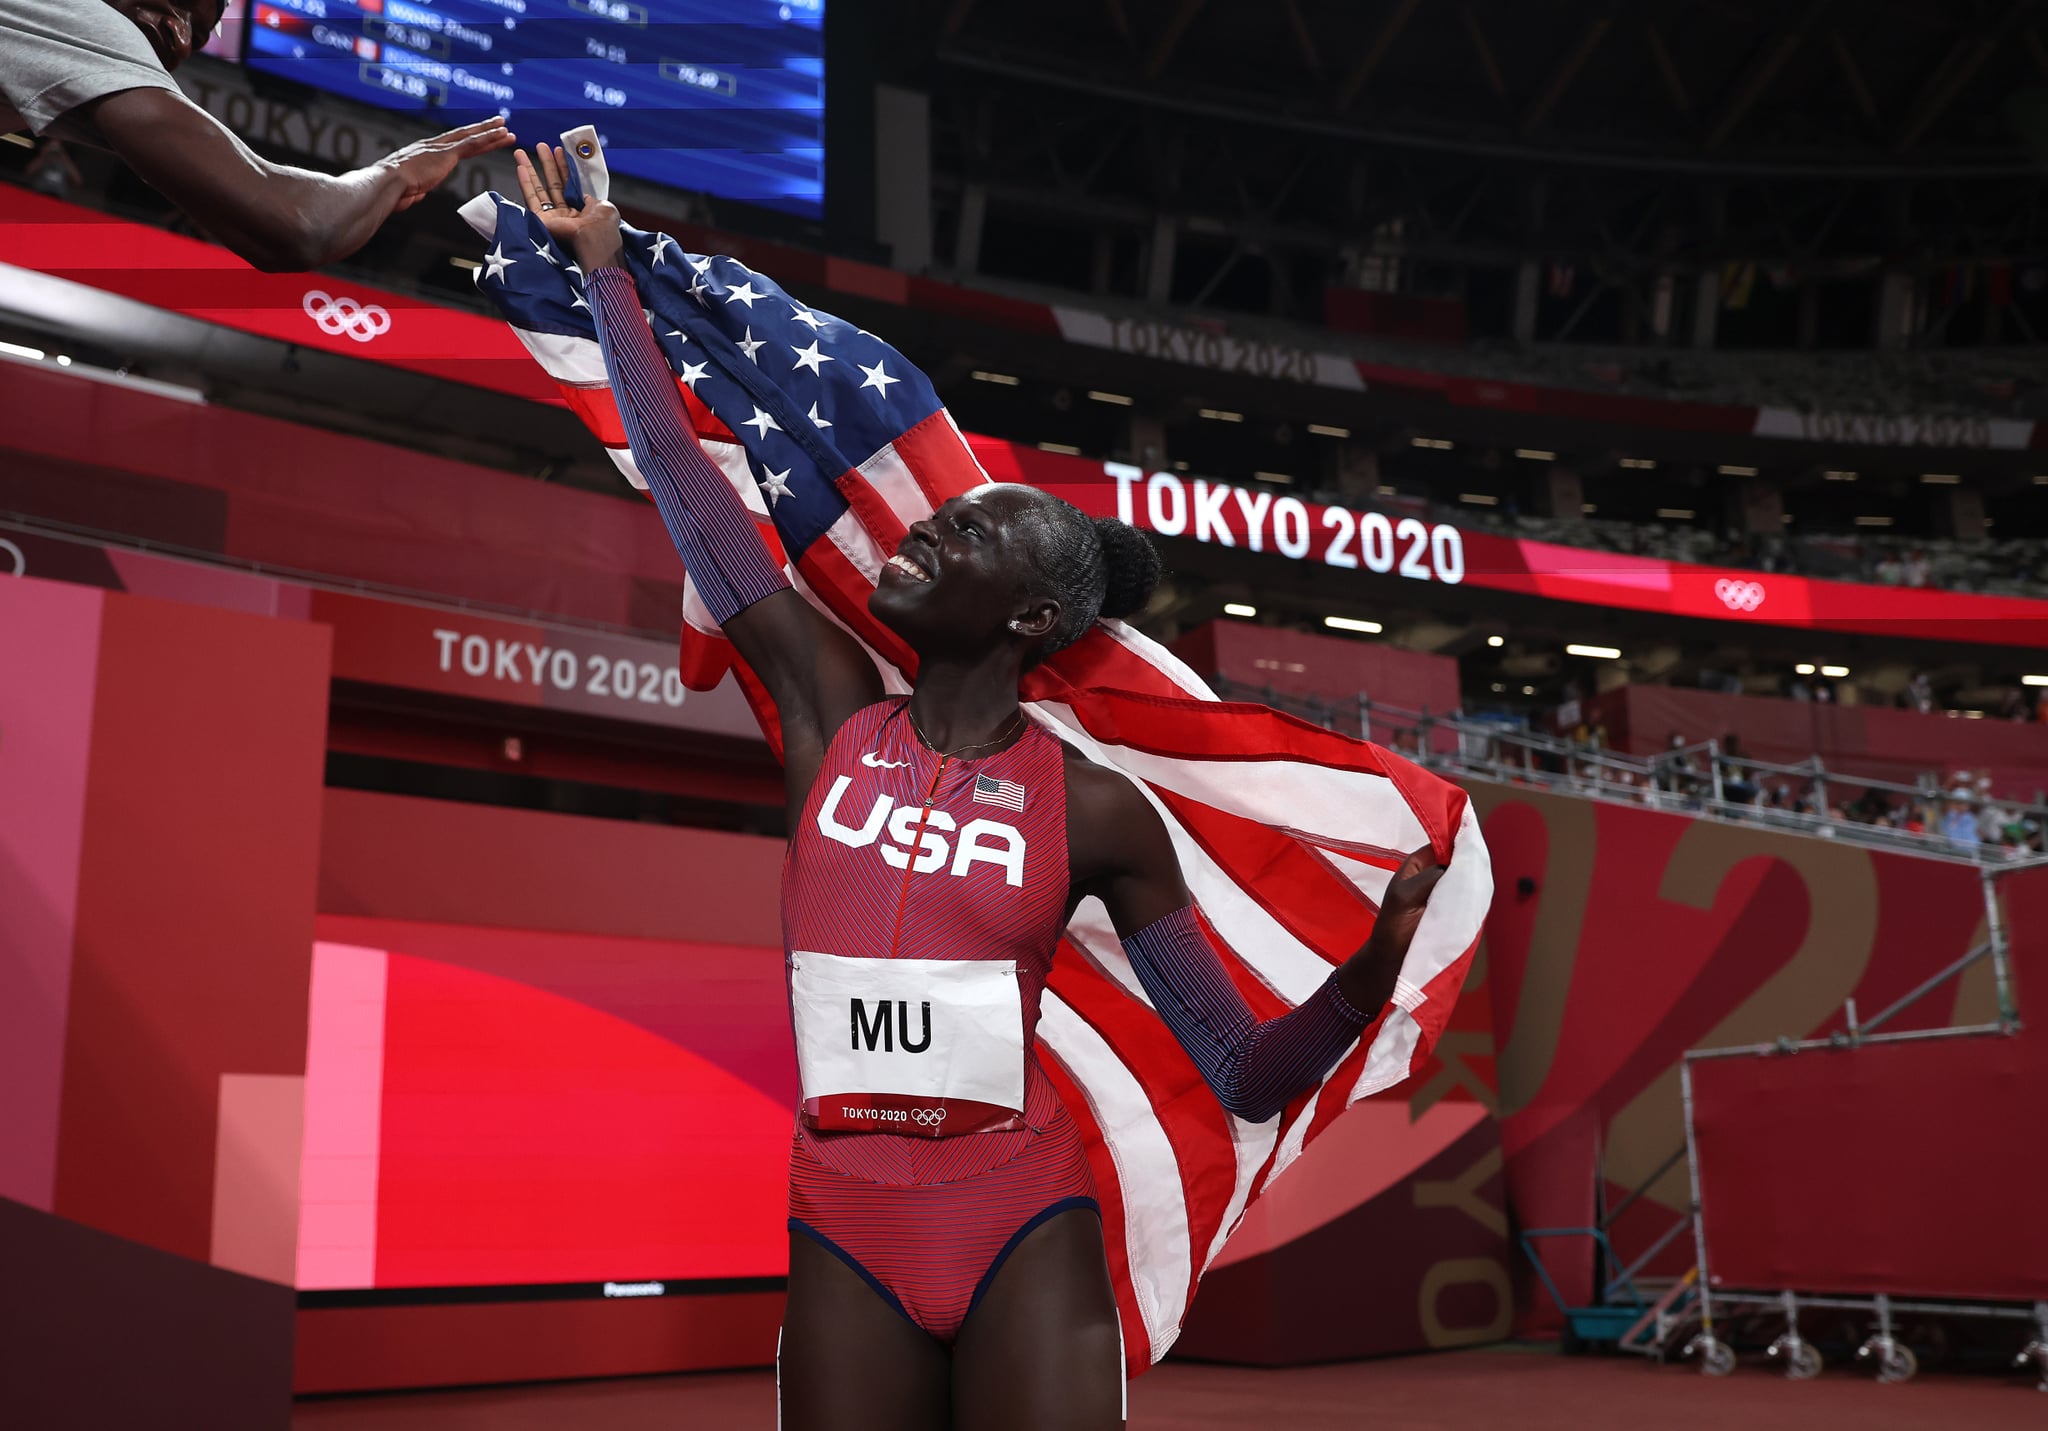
(1834, 673)
(1325, 429)
(1837, 474)
(2041, 479)
(1598, 653)
(1528, 690)
(1114, 399)
(1274, 477)
(1062, 448)
(1384, 490)
(2034, 680)
(1238, 608)
(1502, 641)
(1873, 521)
(1941, 479)
(1439, 444)
(1352, 623)
(1735, 469)
(471, 264)
(1804, 668)
(1535, 454)
(1220, 414)
(1006, 380)
(1479, 499)
(1587, 509)
(1676, 514)
(17, 350)
(1640, 464)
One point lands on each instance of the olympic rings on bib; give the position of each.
(929, 1117)
(344, 317)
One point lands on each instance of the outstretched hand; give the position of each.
(426, 162)
(591, 232)
(1367, 978)
(1406, 898)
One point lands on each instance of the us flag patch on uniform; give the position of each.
(1007, 793)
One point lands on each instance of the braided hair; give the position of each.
(1096, 566)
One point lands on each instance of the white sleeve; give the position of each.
(56, 55)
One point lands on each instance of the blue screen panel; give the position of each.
(722, 96)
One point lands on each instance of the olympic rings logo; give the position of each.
(16, 557)
(1739, 595)
(929, 1117)
(344, 317)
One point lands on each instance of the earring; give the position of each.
(1016, 625)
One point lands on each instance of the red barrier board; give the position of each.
(1908, 1168)
(206, 282)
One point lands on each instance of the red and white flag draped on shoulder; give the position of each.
(1287, 833)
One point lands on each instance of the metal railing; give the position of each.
(1697, 779)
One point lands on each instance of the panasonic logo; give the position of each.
(635, 1289)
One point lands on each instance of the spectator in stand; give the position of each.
(1959, 823)
(1736, 786)
(99, 72)
(1916, 570)
(1919, 694)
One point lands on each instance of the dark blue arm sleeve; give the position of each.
(712, 529)
(1253, 1068)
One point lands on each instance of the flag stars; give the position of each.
(877, 378)
(775, 484)
(751, 345)
(746, 294)
(496, 262)
(812, 358)
(817, 421)
(805, 315)
(762, 423)
(662, 244)
(698, 288)
(699, 263)
(547, 251)
(691, 373)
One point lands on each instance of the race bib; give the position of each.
(929, 1047)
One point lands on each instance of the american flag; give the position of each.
(1006, 793)
(1287, 833)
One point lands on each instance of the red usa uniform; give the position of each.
(901, 853)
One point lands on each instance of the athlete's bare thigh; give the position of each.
(1041, 1348)
(850, 1361)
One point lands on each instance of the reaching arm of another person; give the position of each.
(1121, 851)
(817, 674)
(279, 218)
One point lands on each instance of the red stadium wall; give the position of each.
(161, 767)
(1620, 937)
(1330, 669)
(1879, 742)
(582, 1073)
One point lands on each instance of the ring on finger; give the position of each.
(545, 207)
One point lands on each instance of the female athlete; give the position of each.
(946, 1259)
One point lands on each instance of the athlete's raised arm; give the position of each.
(817, 674)
(1119, 849)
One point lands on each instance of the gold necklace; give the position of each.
(1008, 731)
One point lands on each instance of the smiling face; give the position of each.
(174, 28)
(961, 577)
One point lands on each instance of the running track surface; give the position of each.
(1528, 1389)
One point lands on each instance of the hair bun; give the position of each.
(1132, 565)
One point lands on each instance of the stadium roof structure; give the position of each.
(1827, 134)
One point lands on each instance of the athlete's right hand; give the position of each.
(591, 233)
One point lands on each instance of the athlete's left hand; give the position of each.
(1407, 896)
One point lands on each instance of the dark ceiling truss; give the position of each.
(1814, 133)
